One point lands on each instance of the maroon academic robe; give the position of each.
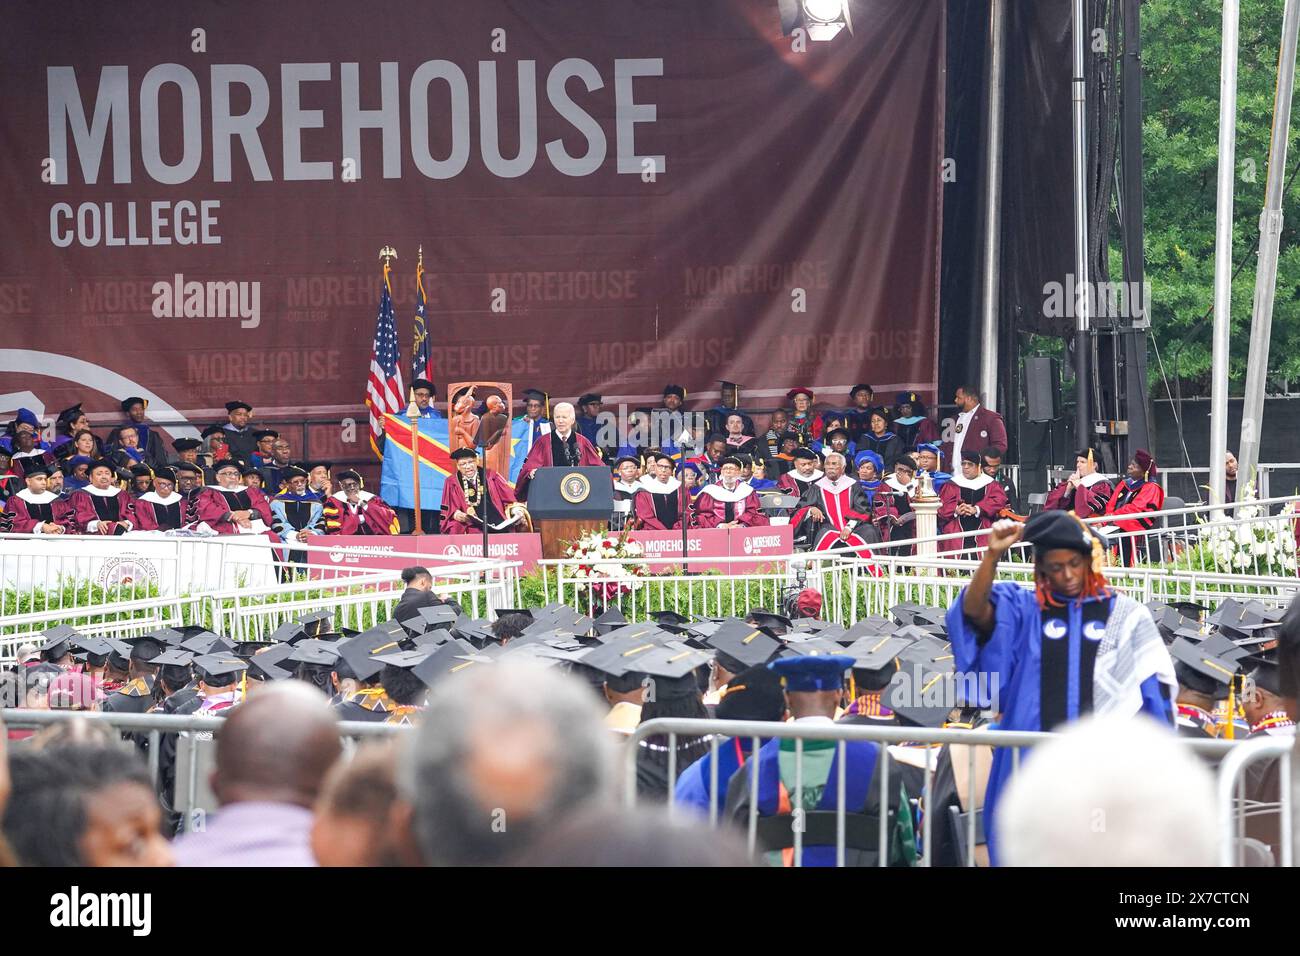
(658, 505)
(844, 504)
(370, 515)
(90, 506)
(1086, 501)
(714, 501)
(989, 498)
(156, 514)
(26, 512)
(212, 507)
(985, 430)
(540, 456)
(1128, 503)
(453, 500)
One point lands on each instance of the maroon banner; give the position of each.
(354, 551)
(730, 545)
(469, 547)
(358, 552)
(609, 194)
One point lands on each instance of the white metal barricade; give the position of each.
(891, 737)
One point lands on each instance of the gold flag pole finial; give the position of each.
(386, 253)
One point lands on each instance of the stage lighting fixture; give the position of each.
(823, 19)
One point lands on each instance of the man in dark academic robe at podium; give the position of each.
(563, 447)
(969, 501)
(658, 505)
(463, 498)
(730, 503)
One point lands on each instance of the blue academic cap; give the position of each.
(812, 673)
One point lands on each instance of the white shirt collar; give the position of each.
(974, 484)
(44, 498)
(816, 475)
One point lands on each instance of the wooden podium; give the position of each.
(566, 503)
(558, 534)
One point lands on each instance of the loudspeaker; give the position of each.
(1042, 389)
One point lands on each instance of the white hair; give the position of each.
(565, 405)
(835, 454)
(517, 714)
(1113, 792)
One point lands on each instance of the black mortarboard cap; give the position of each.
(447, 660)
(877, 652)
(625, 653)
(1050, 530)
(439, 616)
(92, 645)
(58, 640)
(222, 668)
(1201, 670)
(174, 657)
(609, 621)
(670, 620)
(269, 664)
(288, 632)
(1264, 671)
(187, 444)
(738, 643)
(479, 633)
(314, 651)
(145, 648)
(671, 668)
(771, 622)
(316, 623)
(361, 652)
(207, 643)
(926, 702)
(119, 655)
(231, 406)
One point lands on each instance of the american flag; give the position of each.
(420, 347)
(384, 387)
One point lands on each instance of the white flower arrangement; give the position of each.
(608, 562)
(1264, 544)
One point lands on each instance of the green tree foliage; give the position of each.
(1181, 40)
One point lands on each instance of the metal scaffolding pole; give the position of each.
(1270, 238)
(1083, 298)
(1223, 248)
(989, 373)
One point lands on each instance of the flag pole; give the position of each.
(413, 415)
